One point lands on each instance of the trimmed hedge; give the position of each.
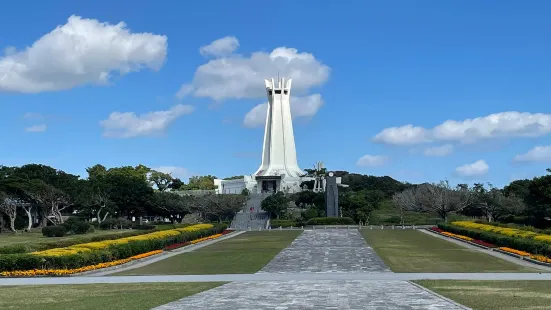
(27, 261)
(54, 231)
(523, 244)
(331, 221)
(284, 223)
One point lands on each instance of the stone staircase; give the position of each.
(257, 219)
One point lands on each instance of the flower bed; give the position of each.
(93, 253)
(479, 242)
(506, 231)
(520, 253)
(516, 243)
(63, 272)
(182, 244)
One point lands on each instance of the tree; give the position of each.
(223, 207)
(361, 204)
(439, 198)
(94, 198)
(51, 199)
(200, 183)
(163, 181)
(170, 205)
(129, 192)
(519, 188)
(539, 200)
(8, 206)
(404, 201)
(493, 203)
(176, 184)
(275, 204)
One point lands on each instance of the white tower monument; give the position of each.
(279, 170)
(279, 155)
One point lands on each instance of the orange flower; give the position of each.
(521, 253)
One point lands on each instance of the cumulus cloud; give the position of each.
(536, 154)
(128, 124)
(36, 128)
(478, 168)
(300, 107)
(504, 124)
(82, 51)
(235, 76)
(220, 47)
(443, 150)
(372, 161)
(175, 171)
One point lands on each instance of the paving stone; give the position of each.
(305, 295)
(331, 250)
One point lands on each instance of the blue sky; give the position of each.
(359, 69)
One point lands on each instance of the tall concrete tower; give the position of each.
(279, 155)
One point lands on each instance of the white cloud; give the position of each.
(128, 124)
(478, 168)
(83, 51)
(372, 161)
(176, 172)
(504, 124)
(537, 154)
(220, 47)
(443, 150)
(36, 128)
(405, 135)
(300, 107)
(236, 76)
(33, 116)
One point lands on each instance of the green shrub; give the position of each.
(54, 231)
(331, 221)
(283, 223)
(143, 227)
(310, 214)
(80, 228)
(120, 223)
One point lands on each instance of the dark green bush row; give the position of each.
(40, 246)
(26, 261)
(119, 223)
(331, 221)
(54, 231)
(523, 244)
(284, 223)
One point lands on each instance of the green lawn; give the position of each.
(415, 251)
(35, 236)
(246, 253)
(97, 296)
(494, 295)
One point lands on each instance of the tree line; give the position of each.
(523, 201)
(50, 195)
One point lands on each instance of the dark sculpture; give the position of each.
(331, 196)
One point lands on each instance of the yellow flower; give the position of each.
(99, 245)
(506, 231)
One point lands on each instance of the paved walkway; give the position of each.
(327, 251)
(279, 277)
(319, 253)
